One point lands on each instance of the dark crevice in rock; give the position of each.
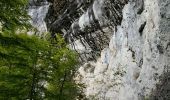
(133, 53)
(160, 49)
(141, 28)
(140, 4)
(141, 63)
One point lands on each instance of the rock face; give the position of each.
(124, 45)
(85, 23)
(38, 10)
(138, 54)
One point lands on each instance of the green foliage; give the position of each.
(13, 14)
(32, 68)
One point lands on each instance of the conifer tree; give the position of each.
(33, 69)
(13, 14)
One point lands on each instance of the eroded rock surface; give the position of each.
(138, 54)
(37, 10)
(85, 23)
(124, 45)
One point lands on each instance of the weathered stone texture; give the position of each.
(131, 45)
(137, 58)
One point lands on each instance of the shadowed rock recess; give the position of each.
(86, 24)
(124, 45)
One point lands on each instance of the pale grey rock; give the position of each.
(37, 11)
(138, 54)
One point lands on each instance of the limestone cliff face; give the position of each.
(37, 10)
(137, 57)
(86, 24)
(124, 45)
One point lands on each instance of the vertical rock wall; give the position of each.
(86, 25)
(38, 10)
(136, 63)
(137, 56)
